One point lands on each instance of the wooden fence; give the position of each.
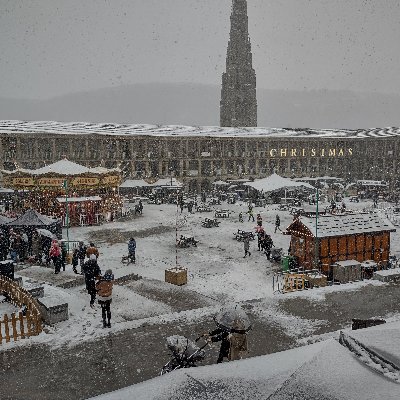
(25, 324)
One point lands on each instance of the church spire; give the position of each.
(238, 106)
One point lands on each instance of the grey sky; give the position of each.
(52, 47)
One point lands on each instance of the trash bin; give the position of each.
(286, 261)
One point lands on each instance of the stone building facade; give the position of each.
(200, 156)
(238, 106)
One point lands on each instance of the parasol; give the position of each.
(233, 319)
(47, 233)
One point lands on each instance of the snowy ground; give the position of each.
(217, 272)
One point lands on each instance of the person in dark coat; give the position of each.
(277, 223)
(268, 244)
(246, 246)
(3, 247)
(91, 271)
(75, 260)
(81, 255)
(220, 335)
(260, 239)
(132, 250)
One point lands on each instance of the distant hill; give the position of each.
(195, 104)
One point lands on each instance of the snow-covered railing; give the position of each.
(28, 322)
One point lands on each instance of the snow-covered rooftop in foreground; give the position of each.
(324, 370)
(83, 128)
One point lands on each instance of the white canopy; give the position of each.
(164, 182)
(64, 167)
(276, 182)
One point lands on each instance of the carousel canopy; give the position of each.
(57, 174)
(63, 167)
(32, 218)
(276, 182)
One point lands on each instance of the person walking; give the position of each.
(246, 246)
(92, 249)
(277, 223)
(260, 239)
(132, 250)
(268, 244)
(55, 255)
(104, 288)
(81, 255)
(92, 271)
(259, 220)
(251, 214)
(75, 260)
(220, 335)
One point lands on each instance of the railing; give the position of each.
(25, 324)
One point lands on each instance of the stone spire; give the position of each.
(238, 106)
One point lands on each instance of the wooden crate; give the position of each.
(176, 276)
(317, 281)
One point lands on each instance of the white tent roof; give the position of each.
(131, 183)
(222, 183)
(165, 182)
(64, 167)
(276, 182)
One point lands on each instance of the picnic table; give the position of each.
(222, 213)
(240, 235)
(203, 208)
(210, 223)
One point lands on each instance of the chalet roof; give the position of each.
(343, 225)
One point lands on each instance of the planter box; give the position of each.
(176, 276)
(317, 281)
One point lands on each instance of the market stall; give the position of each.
(328, 239)
(66, 189)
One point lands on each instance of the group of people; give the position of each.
(97, 285)
(264, 240)
(18, 246)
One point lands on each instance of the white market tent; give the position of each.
(165, 182)
(276, 182)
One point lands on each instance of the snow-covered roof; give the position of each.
(84, 128)
(276, 182)
(347, 224)
(317, 371)
(32, 218)
(164, 182)
(63, 167)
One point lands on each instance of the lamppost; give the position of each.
(66, 212)
(316, 231)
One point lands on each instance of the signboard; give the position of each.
(83, 181)
(50, 182)
(111, 180)
(22, 182)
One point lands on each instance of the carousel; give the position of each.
(74, 193)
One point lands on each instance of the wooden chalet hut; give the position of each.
(340, 237)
